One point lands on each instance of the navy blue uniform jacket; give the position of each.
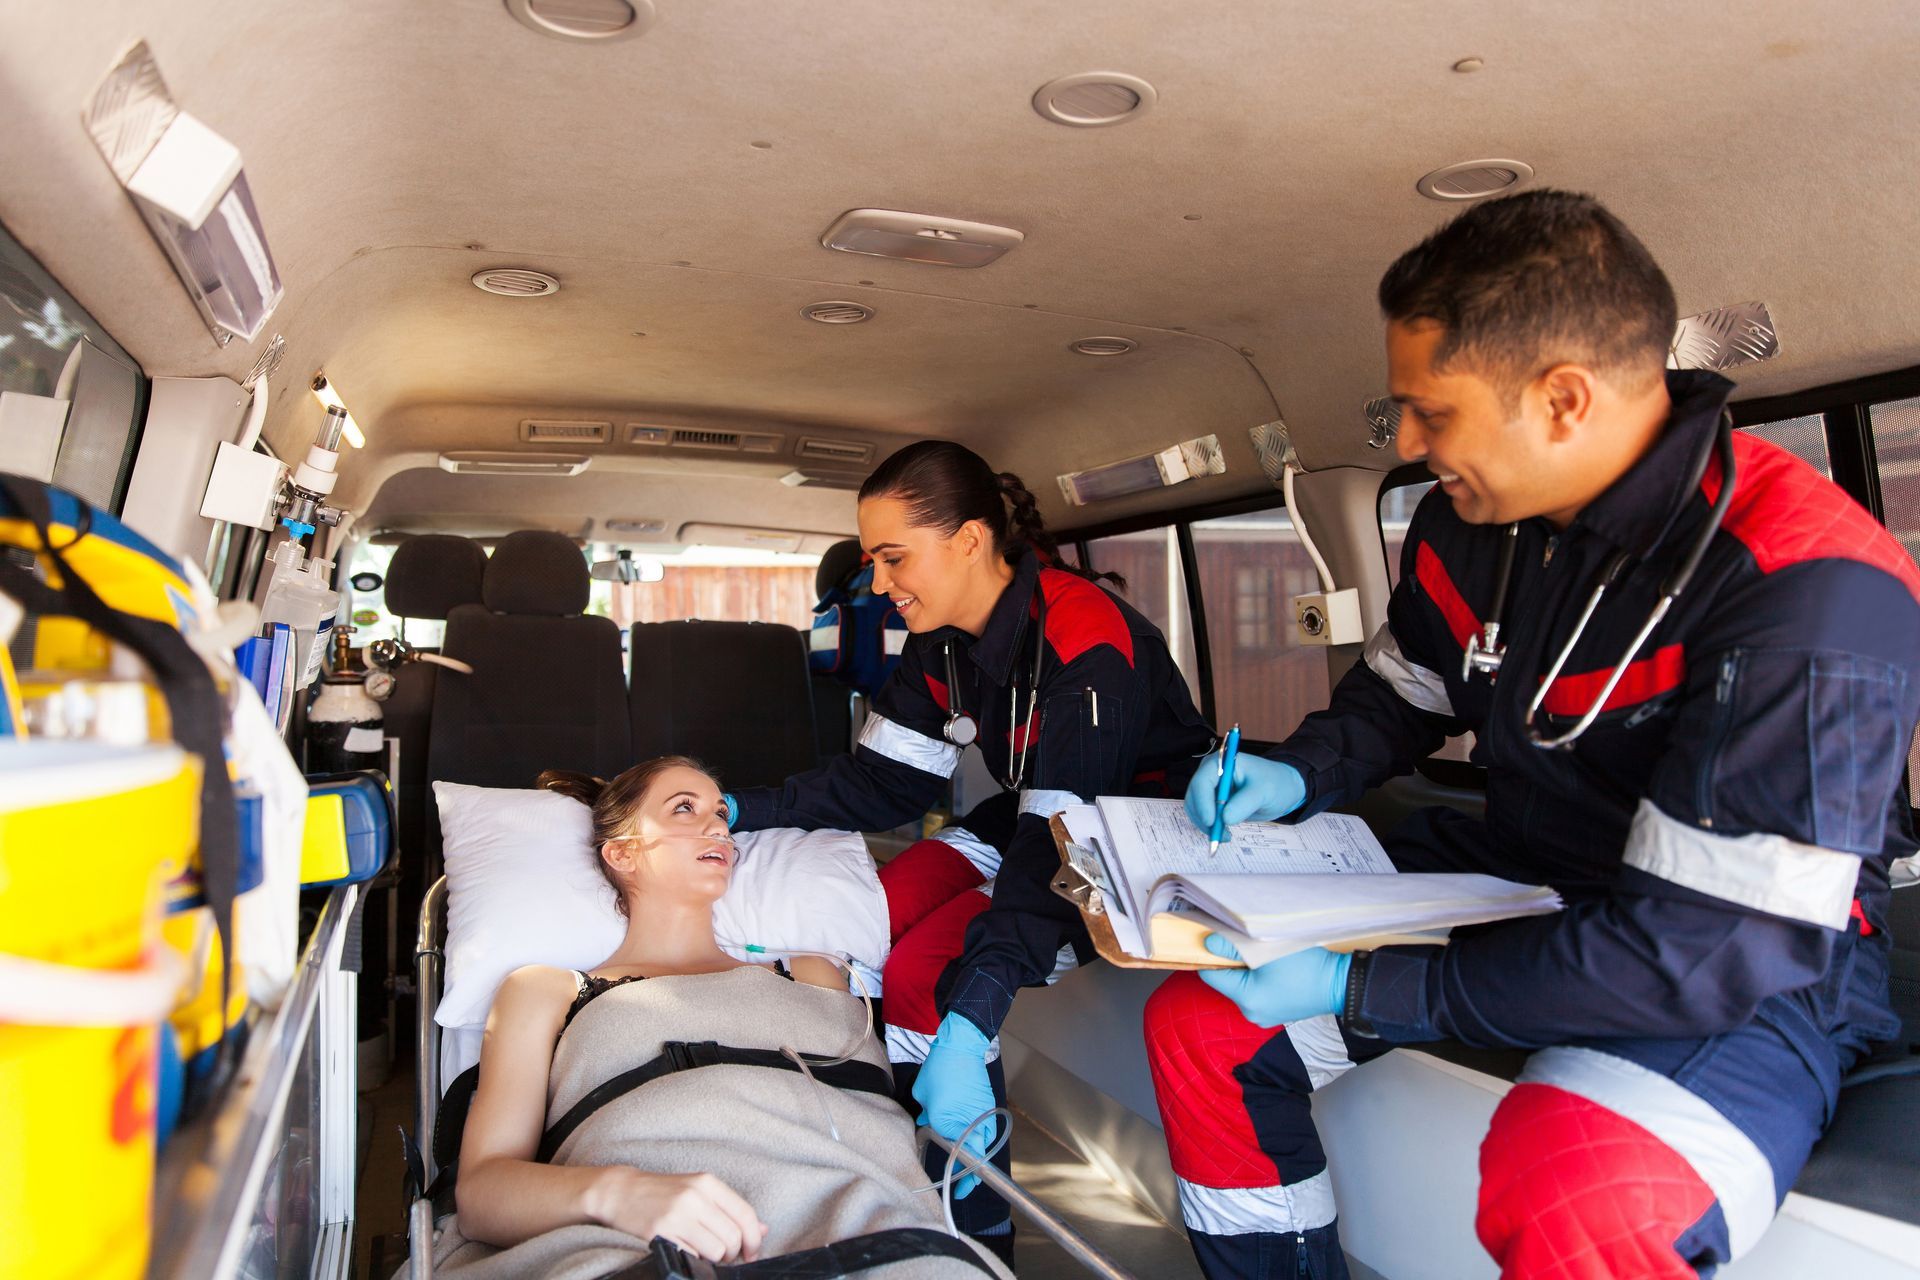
(1114, 718)
(1722, 834)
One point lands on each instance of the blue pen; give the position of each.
(1228, 755)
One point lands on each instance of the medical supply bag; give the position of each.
(857, 637)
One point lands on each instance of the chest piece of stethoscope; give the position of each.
(1484, 653)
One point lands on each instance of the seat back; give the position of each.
(546, 690)
(734, 695)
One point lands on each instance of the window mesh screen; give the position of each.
(1804, 438)
(1896, 446)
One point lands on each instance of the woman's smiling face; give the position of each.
(678, 845)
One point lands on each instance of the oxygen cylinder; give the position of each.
(344, 725)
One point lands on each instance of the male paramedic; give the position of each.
(1720, 831)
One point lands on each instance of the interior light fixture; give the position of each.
(323, 392)
(1172, 465)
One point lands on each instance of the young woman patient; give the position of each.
(730, 1162)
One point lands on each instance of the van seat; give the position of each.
(433, 573)
(735, 696)
(546, 691)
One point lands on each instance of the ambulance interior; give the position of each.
(569, 265)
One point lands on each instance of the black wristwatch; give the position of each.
(1351, 1016)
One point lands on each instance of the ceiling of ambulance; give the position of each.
(678, 183)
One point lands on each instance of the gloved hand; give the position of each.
(1305, 984)
(733, 808)
(1262, 791)
(953, 1090)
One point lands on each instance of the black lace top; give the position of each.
(592, 988)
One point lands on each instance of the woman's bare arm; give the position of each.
(505, 1197)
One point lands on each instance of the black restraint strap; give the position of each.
(683, 1055)
(668, 1261)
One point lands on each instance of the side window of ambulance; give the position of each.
(1251, 567)
(714, 584)
(71, 399)
(1896, 447)
(1156, 585)
(1804, 437)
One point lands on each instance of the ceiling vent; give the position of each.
(476, 463)
(1474, 179)
(636, 526)
(594, 21)
(1106, 345)
(536, 430)
(919, 237)
(852, 453)
(704, 438)
(823, 478)
(515, 282)
(837, 312)
(1093, 99)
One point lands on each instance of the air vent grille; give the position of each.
(536, 429)
(851, 452)
(707, 438)
(1474, 179)
(515, 282)
(641, 433)
(838, 312)
(1105, 345)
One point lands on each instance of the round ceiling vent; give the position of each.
(594, 20)
(1094, 98)
(1473, 179)
(837, 312)
(515, 282)
(1103, 346)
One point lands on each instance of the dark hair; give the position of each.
(1524, 282)
(943, 485)
(615, 804)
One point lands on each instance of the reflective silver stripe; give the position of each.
(984, 857)
(915, 750)
(1769, 873)
(1046, 803)
(1321, 1049)
(1245, 1211)
(912, 1046)
(1726, 1159)
(1065, 961)
(1422, 688)
(821, 639)
(894, 642)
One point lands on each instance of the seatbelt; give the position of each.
(668, 1261)
(683, 1055)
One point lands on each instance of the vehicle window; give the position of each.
(52, 351)
(1251, 567)
(1896, 447)
(1804, 438)
(369, 615)
(1396, 512)
(717, 584)
(1150, 562)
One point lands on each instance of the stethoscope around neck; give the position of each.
(1485, 651)
(962, 730)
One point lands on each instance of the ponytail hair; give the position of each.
(615, 805)
(943, 485)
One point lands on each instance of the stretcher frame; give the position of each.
(429, 959)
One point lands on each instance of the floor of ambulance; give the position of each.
(1135, 1238)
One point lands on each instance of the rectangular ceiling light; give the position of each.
(481, 463)
(919, 237)
(1172, 465)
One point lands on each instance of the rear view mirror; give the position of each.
(624, 568)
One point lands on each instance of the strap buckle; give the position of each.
(671, 1262)
(685, 1055)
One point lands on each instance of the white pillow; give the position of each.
(523, 888)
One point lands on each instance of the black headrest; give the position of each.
(838, 563)
(431, 573)
(534, 571)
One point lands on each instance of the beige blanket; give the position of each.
(760, 1131)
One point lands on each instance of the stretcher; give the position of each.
(429, 961)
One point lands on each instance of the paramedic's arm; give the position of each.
(1740, 867)
(897, 772)
(505, 1197)
(1389, 710)
(1082, 753)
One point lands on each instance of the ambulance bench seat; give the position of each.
(547, 689)
(832, 716)
(735, 696)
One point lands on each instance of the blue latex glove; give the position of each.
(733, 809)
(1305, 984)
(1262, 791)
(953, 1089)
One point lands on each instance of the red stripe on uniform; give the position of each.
(1081, 616)
(1434, 580)
(939, 692)
(1647, 678)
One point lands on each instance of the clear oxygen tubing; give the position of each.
(1300, 527)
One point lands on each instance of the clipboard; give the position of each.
(1080, 882)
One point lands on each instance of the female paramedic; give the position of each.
(1067, 691)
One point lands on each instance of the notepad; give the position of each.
(1273, 889)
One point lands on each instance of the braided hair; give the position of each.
(943, 485)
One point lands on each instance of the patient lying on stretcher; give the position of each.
(733, 1162)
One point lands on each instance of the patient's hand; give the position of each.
(697, 1211)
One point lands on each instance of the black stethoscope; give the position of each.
(962, 730)
(1485, 652)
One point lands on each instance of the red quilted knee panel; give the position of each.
(923, 879)
(1573, 1191)
(916, 961)
(1195, 1038)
